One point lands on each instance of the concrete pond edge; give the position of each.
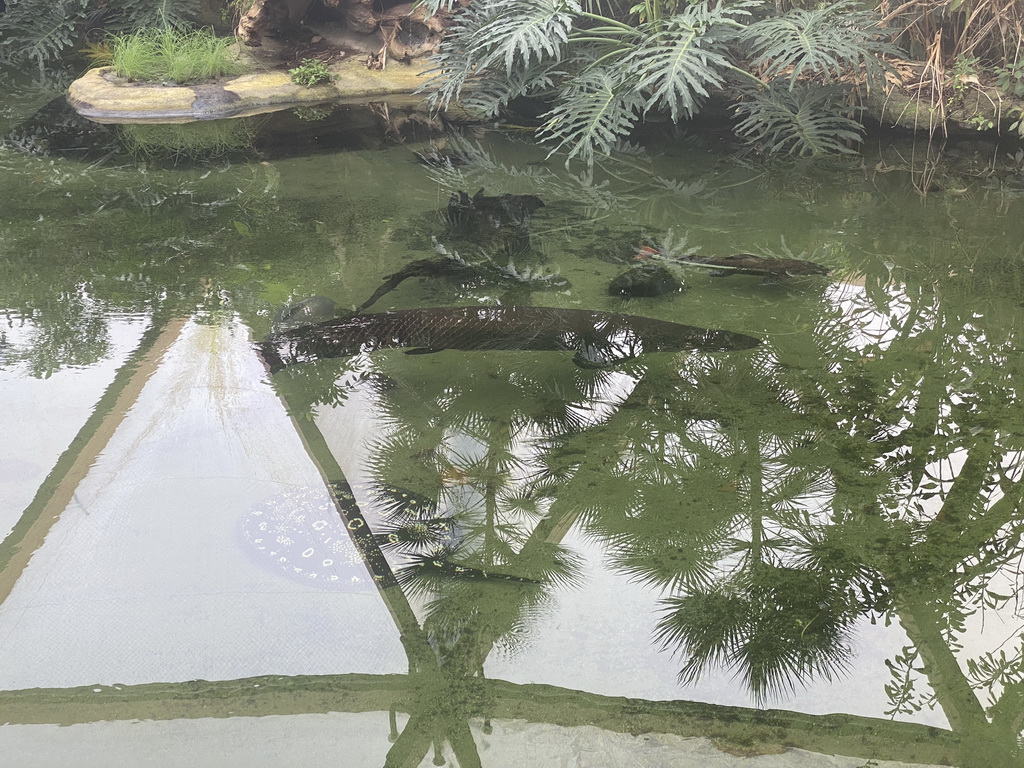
(102, 97)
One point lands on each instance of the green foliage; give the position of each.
(965, 71)
(42, 30)
(604, 66)
(593, 113)
(1018, 124)
(522, 36)
(678, 62)
(516, 34)
(982, 123)
(39, 31)
(823, 44)
(1010, 79)
(169, 54)
(804, 121)
(311, 72)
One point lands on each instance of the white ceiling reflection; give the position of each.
(148, 575)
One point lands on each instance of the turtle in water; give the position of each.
(315, 309)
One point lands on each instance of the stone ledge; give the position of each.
(101, 97)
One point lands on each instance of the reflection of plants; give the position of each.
(314, 113)
(71, 330)
(311, 72)
(206, 139)
(799, 121)
(641, 192)
(136, 241)
(773, 626)
(478, 540)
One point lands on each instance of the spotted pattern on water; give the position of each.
(299, 533)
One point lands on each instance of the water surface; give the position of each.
(759, 557)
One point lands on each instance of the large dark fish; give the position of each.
(598, 339)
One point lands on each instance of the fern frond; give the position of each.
(132, 15)
(521, 36)
(456, 63)
(594, 110)
(803, 121)
(39, 31)
(681, 58)
(433, 6)
(519, 33)
(491, 92)
(825, 43)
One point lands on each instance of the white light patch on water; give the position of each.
(606, 627)
(41, 416)
(146, 577)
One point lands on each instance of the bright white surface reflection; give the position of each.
(40, 416)
(360, 739)
(148, 577)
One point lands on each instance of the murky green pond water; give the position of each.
(802, 554)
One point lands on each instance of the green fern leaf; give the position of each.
(824, 43)
(39, 31)
(681, 58)
(132, 15)
(493, 91)
(522, 36)
(593, 112)
(524, 31)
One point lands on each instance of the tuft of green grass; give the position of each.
(171, 55)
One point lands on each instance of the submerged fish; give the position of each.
(598, 339)
(768, 267)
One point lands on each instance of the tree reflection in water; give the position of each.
(867, 465)
(776, 504)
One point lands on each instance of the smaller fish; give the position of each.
(741, 264)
